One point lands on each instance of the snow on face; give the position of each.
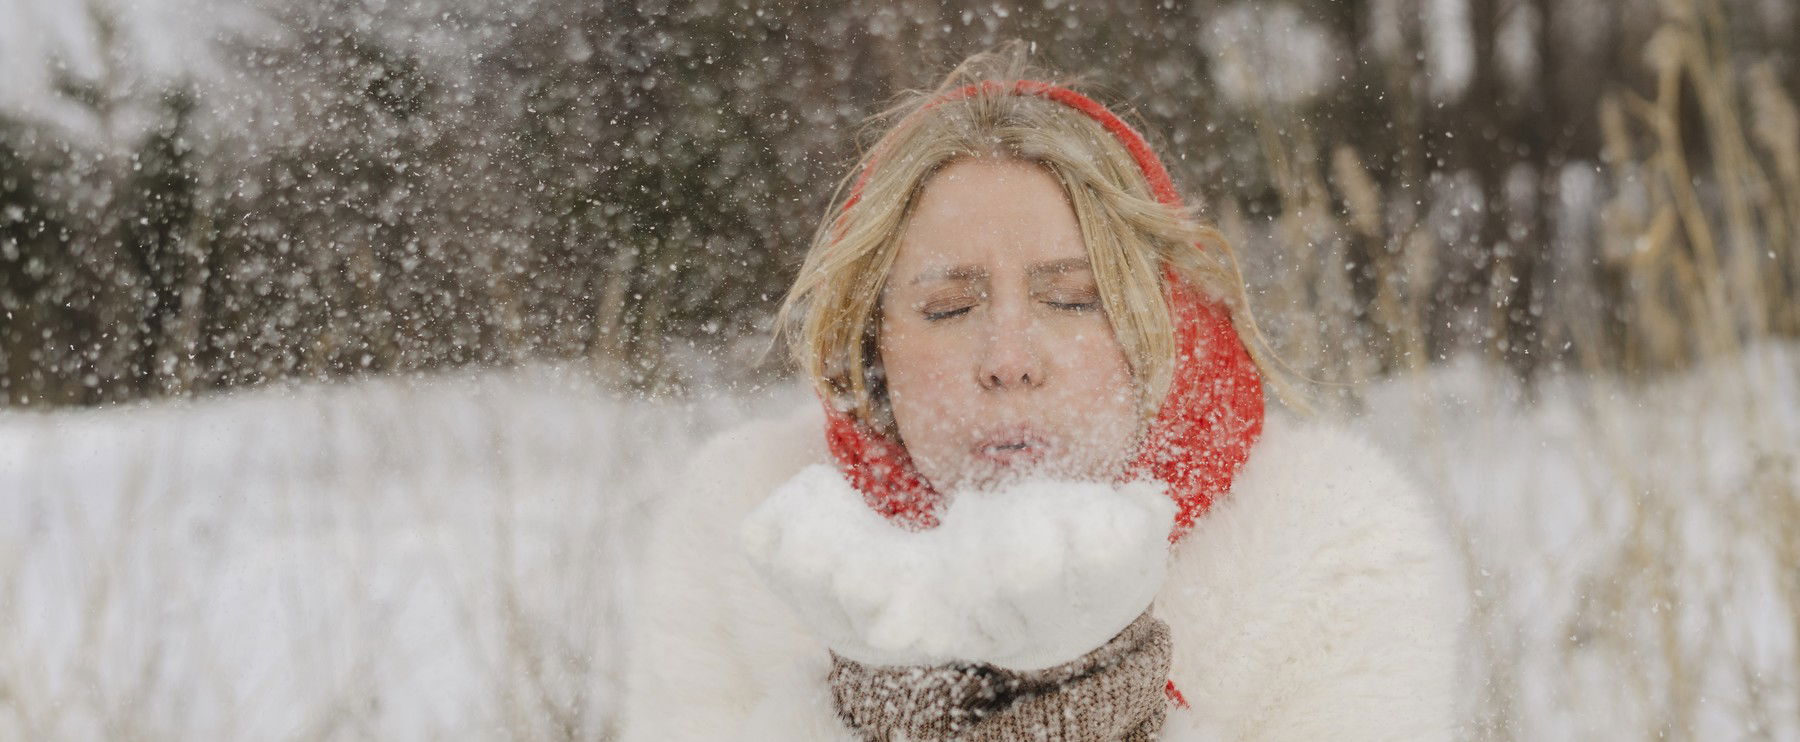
(998, 355)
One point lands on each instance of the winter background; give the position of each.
(346, 345)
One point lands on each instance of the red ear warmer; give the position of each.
(1203, 430)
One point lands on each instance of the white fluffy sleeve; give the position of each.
(1322, 599)
(706, 642)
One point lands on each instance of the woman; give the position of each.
(1041, 498)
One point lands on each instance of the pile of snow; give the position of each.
(1026, 576)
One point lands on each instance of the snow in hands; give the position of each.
(1024, 575)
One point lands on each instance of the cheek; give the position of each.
(919, 375)
(929, 409)
(1098, 393)
(1093, 359)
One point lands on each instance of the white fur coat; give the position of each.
(1321, 598)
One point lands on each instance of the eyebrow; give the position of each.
(975, 273)
(1056, 267)
(957, 273)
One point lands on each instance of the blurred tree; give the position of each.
(161, 216)
(32, 271)
(668, 184)
(385, 187)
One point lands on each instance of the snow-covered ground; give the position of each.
(393, 559)
(444, 558)
(1632, 548)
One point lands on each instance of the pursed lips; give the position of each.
(1011, 447)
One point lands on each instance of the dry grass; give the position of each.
(1697, 250)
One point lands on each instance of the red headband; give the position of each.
(1203, 431)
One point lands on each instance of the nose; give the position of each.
(1011, 359)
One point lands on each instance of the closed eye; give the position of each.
(1075, 306)
(947, 313)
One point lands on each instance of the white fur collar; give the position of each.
(1320, 598)
(1027, 576)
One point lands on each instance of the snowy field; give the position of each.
(393, 560)
(444, 558)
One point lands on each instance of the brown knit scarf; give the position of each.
(1111, 694)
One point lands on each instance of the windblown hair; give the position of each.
(831, 316)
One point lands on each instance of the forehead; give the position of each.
(990, 212)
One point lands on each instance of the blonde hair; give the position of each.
(831, 315)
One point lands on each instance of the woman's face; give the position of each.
(998, 355)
